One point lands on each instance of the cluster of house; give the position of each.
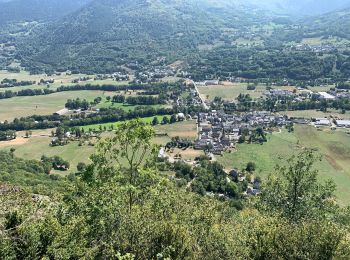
(154, 74)
(300, 94)
(318, 122)
(339, 93)
(208, 83)
(117, 76)
(334, 94)
(65, 111)
(193, 99)
(81, 79)
(314, 48)
(46, 81)
(254, 185)
(279, 93)
(218, 131)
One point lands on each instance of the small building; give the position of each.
(162, 154)
(234, 174)
(212, 82)
(301, 121)
(181, 116)
(322, 122)
(61, 112)
(325, 95)
(253, 192)
(343, 123)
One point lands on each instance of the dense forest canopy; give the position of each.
(110, 33)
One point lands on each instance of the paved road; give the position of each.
(199, 94)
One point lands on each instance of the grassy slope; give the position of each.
(317, 114)
(126, 107)
(38, 146)
(97, 126)
(42, 105)
(62, 79)
(230, 91)
(333, 146)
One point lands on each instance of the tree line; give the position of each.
(139, 100)
(7, 135)
(105, 115)
(274, 63)
(8, 83)
(46, 91)
(275, 104)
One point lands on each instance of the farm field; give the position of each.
(24, 75)
(147, 120)
(188, 154)
(63, 79)
(125, 107)
(42, 105)
(230, 91)
(334, 147)
(317, 114)
(38, 144)
(186, 129)
(318, 41)
(56, 85)
(321, 88)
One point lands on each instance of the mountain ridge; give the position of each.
(113, 32)
(37, 10)
(302, 7)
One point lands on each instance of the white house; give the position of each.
(322, 122)
(343, 123)
(325, 95)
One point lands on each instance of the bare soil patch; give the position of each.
(15, 142)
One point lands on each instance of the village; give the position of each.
(213, 132)
(218, 131)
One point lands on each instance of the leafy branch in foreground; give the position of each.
(294, 191)
(125, 159)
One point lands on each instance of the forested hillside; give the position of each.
(109, 33)
(335, 24)
(103, 35)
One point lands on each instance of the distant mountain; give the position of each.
(37, 10)
(302, 7)
(329, 25)
(107, 33)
